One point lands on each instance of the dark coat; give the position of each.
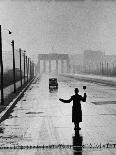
(76, 108)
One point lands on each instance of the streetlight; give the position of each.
(24, 65)
(1, 64)
(13, 66)
(20, 66)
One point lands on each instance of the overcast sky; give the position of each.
(59, 27)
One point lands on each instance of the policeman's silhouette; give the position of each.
(76, 108)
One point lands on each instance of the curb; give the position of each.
(4, 113)
(92, 79)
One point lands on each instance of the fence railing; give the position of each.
(18, 69)
(105, 69)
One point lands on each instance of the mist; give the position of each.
(69, 27)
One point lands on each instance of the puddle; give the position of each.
(9, 137)
(13, 116)
(107, 114)
(104, 102)
(34, 112)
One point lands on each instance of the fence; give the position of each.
(18, 69)
(102, 68)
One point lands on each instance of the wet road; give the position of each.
(39, 118)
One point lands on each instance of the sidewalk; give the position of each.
(11, 99)
(94, 78)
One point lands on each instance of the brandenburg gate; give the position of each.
(50, 57)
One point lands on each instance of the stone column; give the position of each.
(56, 66)
(38, 66)
(74, 69)
(68, 66)
(44, 65)
(62, 66)
(49, 66)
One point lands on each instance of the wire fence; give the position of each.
(18, 69)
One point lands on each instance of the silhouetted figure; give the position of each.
(77, 143)
(76, 108)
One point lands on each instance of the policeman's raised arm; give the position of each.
(84, 97)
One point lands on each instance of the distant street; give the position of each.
(39, 118)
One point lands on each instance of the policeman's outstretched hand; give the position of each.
(60, 99)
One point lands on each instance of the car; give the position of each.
(53, 83)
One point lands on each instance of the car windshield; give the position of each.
(53, 80)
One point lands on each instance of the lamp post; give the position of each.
(20, 66)
(24, 66)
(26, 69)
(30, 69)
(13, 66)
(1, 64)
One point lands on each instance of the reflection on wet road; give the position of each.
(39, 118)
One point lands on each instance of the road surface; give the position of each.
(39, 118)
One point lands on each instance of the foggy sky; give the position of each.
(59, 27)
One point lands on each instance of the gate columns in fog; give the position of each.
(50, 57)
(49, 66)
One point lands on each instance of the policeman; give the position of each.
(76, 108)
